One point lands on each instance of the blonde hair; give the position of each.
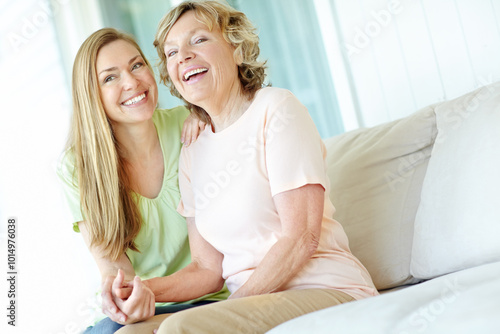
(110, 209)
(236, 29)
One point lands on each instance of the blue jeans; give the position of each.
(108, 326)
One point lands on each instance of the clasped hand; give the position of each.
(127, 302)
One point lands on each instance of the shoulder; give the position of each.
(170, 117)
(275, 99)
(274, 95)
(280, 105)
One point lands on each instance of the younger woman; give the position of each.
(120, 177)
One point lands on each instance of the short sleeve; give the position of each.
(186, 205)
(69, 181)
(294, 150)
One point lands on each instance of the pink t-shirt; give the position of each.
(227, 182)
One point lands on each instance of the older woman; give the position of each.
(254, 187)
(120, 176)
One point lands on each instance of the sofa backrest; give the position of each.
(380, 179)
(376, 176)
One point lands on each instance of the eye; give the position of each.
(200, 40)
(171, 53)
(137, 65)
(108, 78)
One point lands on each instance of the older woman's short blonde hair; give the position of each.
(236, 29)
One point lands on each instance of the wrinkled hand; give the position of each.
(191, 129)
(139, 301)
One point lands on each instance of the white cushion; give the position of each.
(464, 302)
(458, 221)
(376, 176)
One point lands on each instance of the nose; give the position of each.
(129, 81)
(185, 54)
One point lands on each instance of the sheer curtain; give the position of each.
(291, 41)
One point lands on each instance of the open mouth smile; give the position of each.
(135, 99)
(190, 74)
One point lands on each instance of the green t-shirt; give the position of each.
(163, 239)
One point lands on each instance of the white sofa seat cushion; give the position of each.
(457, 303)
(458, 221)
(376, 176)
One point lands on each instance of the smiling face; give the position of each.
(200, 62)
(128, 89)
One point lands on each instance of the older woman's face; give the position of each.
(200, 62)
(128, 89)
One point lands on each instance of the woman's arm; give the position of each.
(191, 129)
(110, 286)
(301, 212)
(202, 276)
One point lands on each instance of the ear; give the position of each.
(238, 56)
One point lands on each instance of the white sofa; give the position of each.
(419, 199)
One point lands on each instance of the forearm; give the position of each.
(189, 283)
(283, 261)
(301, 213)
(107, 267)
(111, 269)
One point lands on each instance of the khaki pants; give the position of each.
(249, 315)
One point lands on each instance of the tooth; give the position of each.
(135, 99)
(193, 72)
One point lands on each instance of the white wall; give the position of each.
(56, 277)
(406, 54)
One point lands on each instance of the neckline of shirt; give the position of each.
(160, 193)
(236, 123)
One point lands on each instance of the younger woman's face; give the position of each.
(128, 89)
